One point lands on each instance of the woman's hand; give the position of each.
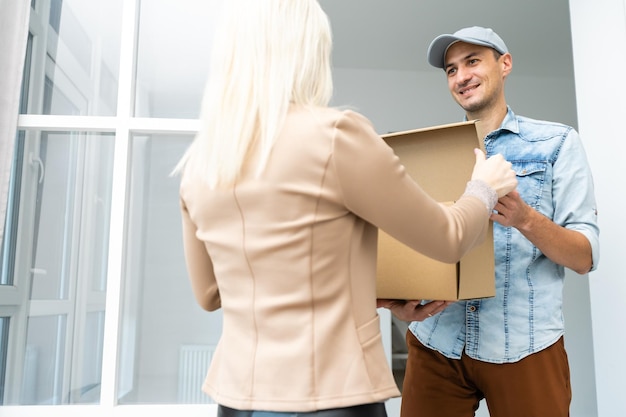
(495, 172)
(413, 310)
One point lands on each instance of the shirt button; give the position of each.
(472, 309)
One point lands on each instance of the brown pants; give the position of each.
(435, 386)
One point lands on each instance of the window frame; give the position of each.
(123, 126)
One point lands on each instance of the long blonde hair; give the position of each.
(267, 54)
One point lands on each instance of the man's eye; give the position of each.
(451, 71)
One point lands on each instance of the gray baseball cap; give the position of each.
(475, 35)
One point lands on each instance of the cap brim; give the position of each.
(437, 50)
(439, 46)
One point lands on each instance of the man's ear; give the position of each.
(506, 61)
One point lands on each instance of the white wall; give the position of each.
(402, 100)
(599, 47)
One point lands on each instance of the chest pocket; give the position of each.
(532, 177)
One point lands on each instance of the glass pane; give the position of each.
(9, 232)
(167, 340)
(4, 341)
(71, 217)
(8, 244)
(172, 65)
(64, 205)
(44, 361)
(73, 65)
(90, 363)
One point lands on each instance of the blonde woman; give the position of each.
(281, 199)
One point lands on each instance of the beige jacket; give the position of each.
(291, 260)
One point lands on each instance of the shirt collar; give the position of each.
(510, 122)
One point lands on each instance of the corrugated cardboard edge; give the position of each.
(426, 129)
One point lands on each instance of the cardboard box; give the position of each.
(441, 160)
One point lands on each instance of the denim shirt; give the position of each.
(526, 315)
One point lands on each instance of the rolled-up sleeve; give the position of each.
(573, 193)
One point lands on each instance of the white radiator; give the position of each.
(193, 364)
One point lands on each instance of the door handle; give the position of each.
(35, 160)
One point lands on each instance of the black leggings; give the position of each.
(365, 410)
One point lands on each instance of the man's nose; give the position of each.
(462, 76)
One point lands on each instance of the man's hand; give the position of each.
(413, 310)
(512, 211)
(562, 246)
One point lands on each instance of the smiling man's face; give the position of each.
(475, 76)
